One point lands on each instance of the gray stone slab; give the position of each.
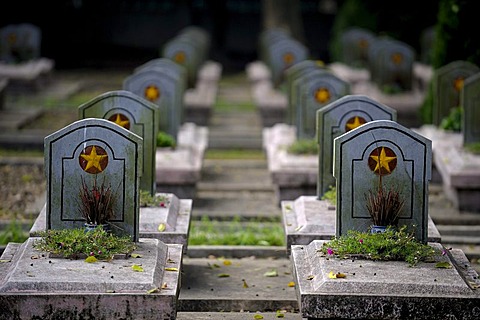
(292, 175)
(40, 286)
(234, 315)
(308, 218)
(383, 289)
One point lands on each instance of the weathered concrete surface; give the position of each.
(234, 315)
(385, 289)
(38, 286)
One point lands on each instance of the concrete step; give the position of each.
(227, 315)
(456, 239)
(459, 230)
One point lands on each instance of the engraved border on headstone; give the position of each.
(66, 151)
(135, 114)
(447, 84)
(335, 119)
(413, 156)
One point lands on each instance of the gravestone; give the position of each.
(166, 65)
(291, 74)
(283, 54)
(20, 42)
(338, 117)
(35, 284)
(448, 82)
(458, 167)
(135, 114)
(470, 101)
(93, 150)
(315, 90)
(355, 43)
(372, 289)
(160, 88)
(427, 39)
(391, 64)
(382, 153)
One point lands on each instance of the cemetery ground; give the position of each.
(243, 270)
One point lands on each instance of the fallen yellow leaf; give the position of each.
(258, 316)
(171, 269)
(136, 255)
(154, 290)
(162, 227)
(137, 268)
(333, 275)
(443, 265)
(91, 259)
(223, 275)
(272, 273)
(227, 262)
(310, 277)
(164, 285)
(245, 285)
(291, 284)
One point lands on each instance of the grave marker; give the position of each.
(86, 150)
(470, 101)
(135, 114)
(387, 150)
(447, 86)
(315, 90)
(162, 89)
(20, 42)
(338, 117)
(355, 43)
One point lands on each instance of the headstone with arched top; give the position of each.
(382, 153)
(93, 151)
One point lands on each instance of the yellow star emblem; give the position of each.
(382, 161)
(357, 122)
(152, 93)
(458, 83)
(93, 160)
(288, 58)
(179, 57)
(322, 95)
(121, 122)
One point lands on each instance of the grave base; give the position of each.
(292, 175)
(383, 290)
(307, 219)
(34, 286)
(31, 75)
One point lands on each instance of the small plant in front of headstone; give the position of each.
(96, 203)
(384, 206)
(473, 147)
(453, 122)
(76, 243)
(157, 200)
(391, 245)
(164, 140)
(304, 147)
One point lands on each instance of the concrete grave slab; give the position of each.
(383, 289)
(37, 285)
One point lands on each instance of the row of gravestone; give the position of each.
(190, 48)
(455, 89)
(20, 42)
(279, 51)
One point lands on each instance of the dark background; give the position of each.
(126, 33)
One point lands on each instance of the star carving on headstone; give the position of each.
(93, 159)
(354, 122)
(121, 120)
(179, 57)
(382, 160)
(288, 58)
(152, 93)
(458, 83)
(322, 95)
(397, 58)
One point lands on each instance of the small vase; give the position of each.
(91, 227)
(378, 229)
